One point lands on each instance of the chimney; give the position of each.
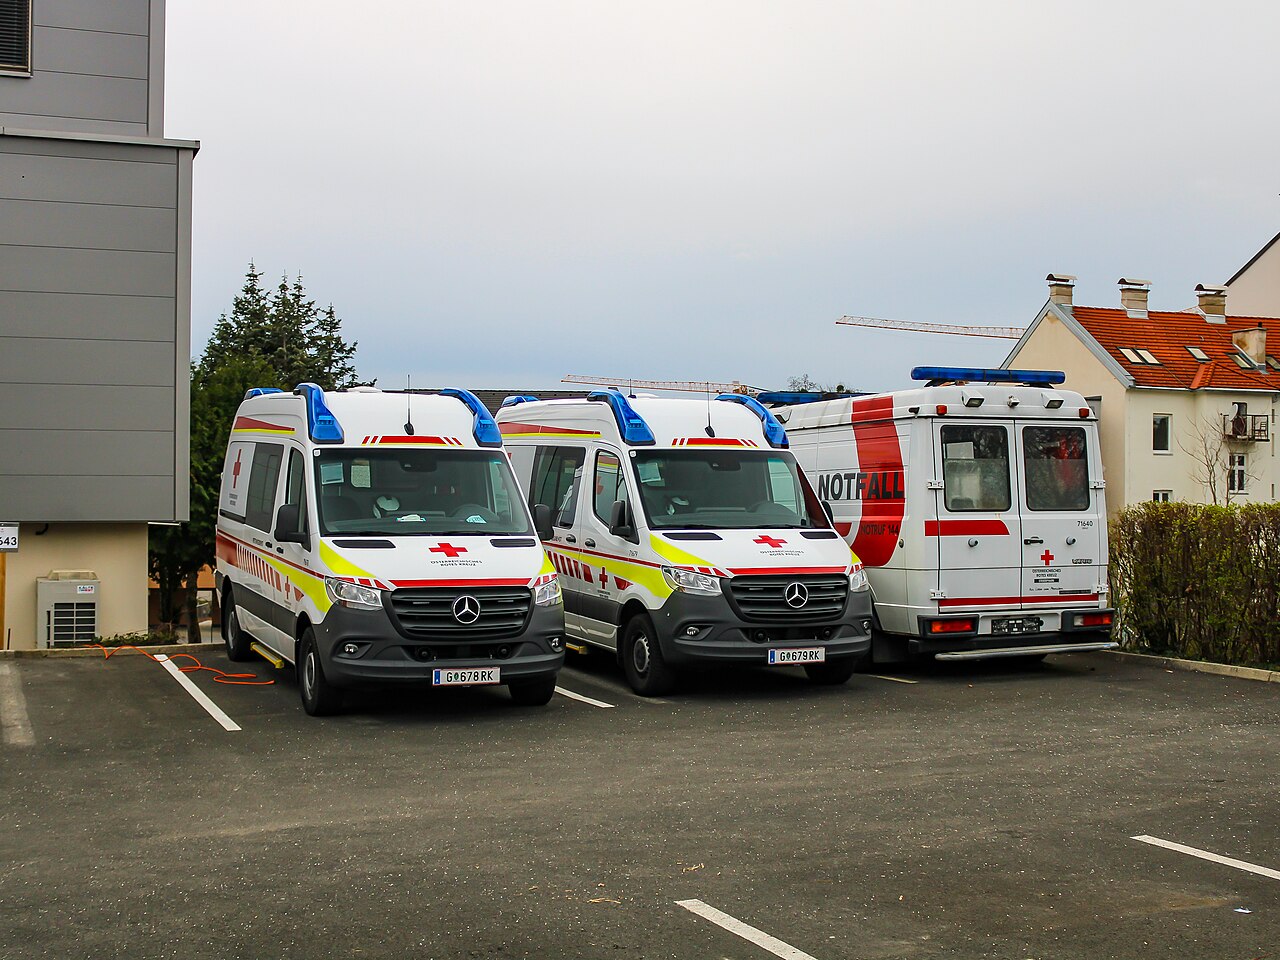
(1133, 296)
(1060, 287)
(1252, 342)
(1213, 302)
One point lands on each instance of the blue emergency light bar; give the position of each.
(322, 425)
(485, 429)
(635, 432)
(982, 375)
(260, 392)
(518, 399)
(790, 398)
(773, 431)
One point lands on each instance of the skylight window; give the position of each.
(1130, 355)
(1273, 363)
(1145, 357)
(1242, 361)
(1148, 357)
(1198, 354)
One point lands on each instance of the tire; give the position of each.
(234, 639)
(831, 672)
(319, 697)
(642, 661)
(532, 693)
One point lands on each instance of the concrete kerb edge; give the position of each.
(1200, 666)
(167, 648)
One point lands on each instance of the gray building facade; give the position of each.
(95, 267)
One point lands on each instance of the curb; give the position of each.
(61, 652)
(1201, 666)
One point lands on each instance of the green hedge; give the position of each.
(1201, 582)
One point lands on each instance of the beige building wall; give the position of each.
(1256, 292)
(1054, 347)
(116, 552)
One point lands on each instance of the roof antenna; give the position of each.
(710, 432)
(408, 405)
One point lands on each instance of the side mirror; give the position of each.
(620, 520)
(542, 521)
(826, 508)
(288, 523)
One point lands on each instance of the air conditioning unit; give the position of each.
(67, 608)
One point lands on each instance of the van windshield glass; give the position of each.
(724, 489)
(408, 493)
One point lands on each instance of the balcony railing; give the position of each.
(1249, 429)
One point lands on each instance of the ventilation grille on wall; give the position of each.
(15, 35)
(67, 608)
(71, 623)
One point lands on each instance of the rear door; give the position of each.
(1062, 533)
(977, 528)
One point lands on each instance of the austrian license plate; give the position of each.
(797, 655)
(1017, 625)
(468, 677)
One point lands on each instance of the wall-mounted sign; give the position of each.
(8, 538)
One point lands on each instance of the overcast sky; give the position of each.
(497, 194)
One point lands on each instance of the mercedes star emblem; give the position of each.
(796, 594)
(466, 609)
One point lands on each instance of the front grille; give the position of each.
(764, 598)
(426, 613)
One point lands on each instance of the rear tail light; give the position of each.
(1084, 412)
(1093, 619)
(953, 626)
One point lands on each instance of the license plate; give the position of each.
(798, 655)
(467, 677)
(1017, 625)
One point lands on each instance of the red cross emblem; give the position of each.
(604, 577)
(770, 541)
(1047, 557)
(448, 549)
(235, 471)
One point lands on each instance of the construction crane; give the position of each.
(682, 386)
(955, 329)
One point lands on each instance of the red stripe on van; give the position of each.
(508, 582)
(1007, 601)
(965, 528)
(782, 571)
(879, 451)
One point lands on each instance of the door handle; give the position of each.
(1031, 540)
(570, 538)
(279, 549)
(589, 542)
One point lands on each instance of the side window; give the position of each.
(263, 477)
(975, 468)
(1057, 468)
(295, 489)
(611, 485)
(783, 489)
(501, 502)
(557, 477)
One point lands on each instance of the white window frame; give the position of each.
(15, 70)
(1168, 450)
(1237, 473)
(1161, 496)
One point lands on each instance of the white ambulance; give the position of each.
(975, 503)
(372, 537)
(685, 532)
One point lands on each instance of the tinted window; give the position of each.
(261, 499)
(1057, 468)
(295, 491)
(611, 485)
(975, 468)
(557, 475)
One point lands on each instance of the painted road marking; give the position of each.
(1211, 857)
(13, 709)
(894, 679)
(581, 699)
(745, 931)
(197, 694)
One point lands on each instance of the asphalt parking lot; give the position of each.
(967, 811)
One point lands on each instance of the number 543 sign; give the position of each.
(8, 537)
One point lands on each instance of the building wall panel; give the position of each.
(77, 407)
(95, 453)
(46, 223)
(86, 179)
(104, 272)
(109, 16)
(85, 316)
(90, 52)
(117, 363)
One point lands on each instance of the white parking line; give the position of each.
(745, 931)
(581, 699)
(13, 709)
(894, 679)
(1211, 857)
(197, 694)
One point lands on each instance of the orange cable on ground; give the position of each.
(220, 676)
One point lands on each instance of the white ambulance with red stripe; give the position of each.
(975, 502)
(381, 538)
(684, 532)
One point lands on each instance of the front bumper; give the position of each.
(386, 656)
(723, 636)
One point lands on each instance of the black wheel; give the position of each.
(234, 639)
(831, 672)
(642, 661)
(319, 697)
(532, 693)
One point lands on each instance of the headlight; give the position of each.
(547, 593)
(858, 579)
(686, 581)
(352, 594)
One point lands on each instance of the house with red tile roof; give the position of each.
(1185, 399)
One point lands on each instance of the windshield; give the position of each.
(724, 489)
(417, 493)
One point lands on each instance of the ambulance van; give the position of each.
(377, 538)
(975, 502)
(684, 532)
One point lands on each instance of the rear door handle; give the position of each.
(589, 542)
(570, 538)
(1031, 540)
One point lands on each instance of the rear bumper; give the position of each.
(1034, 651)
(977, 645)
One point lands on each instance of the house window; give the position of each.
(15, 36)
(1161, 496)
(1160, 432)
(1236, 477)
